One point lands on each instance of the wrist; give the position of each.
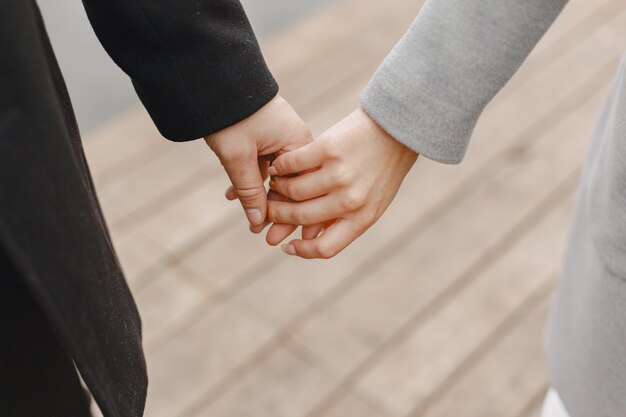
(406, 154)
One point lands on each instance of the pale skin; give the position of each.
(345, 181)
(246, 148)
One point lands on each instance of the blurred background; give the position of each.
(437, 311)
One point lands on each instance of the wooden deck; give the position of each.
(437, 311)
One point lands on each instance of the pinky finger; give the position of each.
(279, 232)
(256, 229)
(328, 244)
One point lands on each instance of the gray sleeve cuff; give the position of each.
(432, 87)
(434, 129)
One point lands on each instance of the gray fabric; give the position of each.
(429, 93)
(432, 87)
(586, 337)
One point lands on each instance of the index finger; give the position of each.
(302, 159)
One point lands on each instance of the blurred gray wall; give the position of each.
(99, 89)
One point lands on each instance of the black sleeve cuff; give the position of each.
(197, 101)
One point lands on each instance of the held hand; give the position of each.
(245, 149)
(354, 171)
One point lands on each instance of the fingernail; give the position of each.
(272, 170)
(273, 185)
(254, 216)
(289, 249)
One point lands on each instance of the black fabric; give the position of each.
(37, 376)
(195, 64)
(51, 224)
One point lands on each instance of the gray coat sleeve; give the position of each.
(432, 87)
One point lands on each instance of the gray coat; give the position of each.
(429, 93)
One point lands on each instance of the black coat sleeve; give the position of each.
(195, 64)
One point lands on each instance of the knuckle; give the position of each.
(286, 189)
(343, 176)
(331, 151)
(289, 165)
(370, 218)
(352, 200)
(329, 146)
(292, 191)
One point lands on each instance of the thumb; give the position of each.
(245, 175)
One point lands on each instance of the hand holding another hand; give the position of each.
(246, 148)
(347, 179)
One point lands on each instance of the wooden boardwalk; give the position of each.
(437, 311)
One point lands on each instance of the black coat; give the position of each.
(197, 68)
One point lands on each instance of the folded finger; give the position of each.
(279, 232)
(304, 187)
(305, 213)
(334, 239)
(307, 157)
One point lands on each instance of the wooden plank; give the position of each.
(358, 404)
(118, 146)
(213, 257)
(205, 352)
(137, 253)
(295, 384)
(536, 412)
(493, 386)
(331, 31)
(534, 406)
(163, 176)
(167, 300)
(203, 209)
(578, 21)
(363, 54)
(414, 370)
